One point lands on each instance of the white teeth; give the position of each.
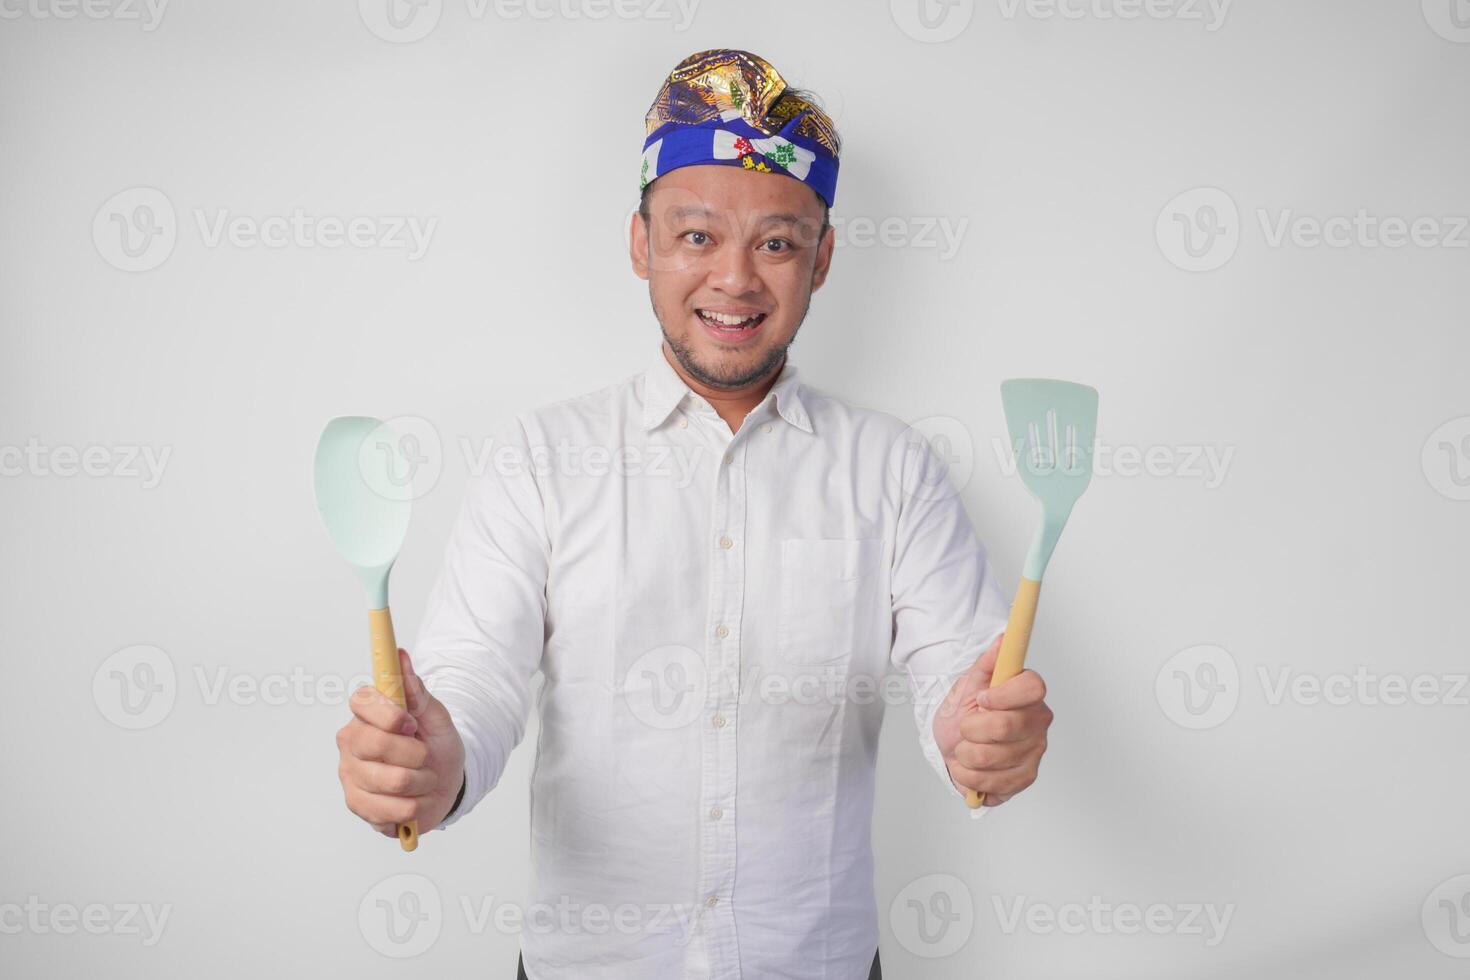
(728, 321)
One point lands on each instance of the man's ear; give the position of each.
(638, 244)
(824, 258)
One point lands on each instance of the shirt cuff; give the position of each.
(930, 745)
(475, 768)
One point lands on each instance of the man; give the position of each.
(714, 566)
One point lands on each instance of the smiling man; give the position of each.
(715, 648)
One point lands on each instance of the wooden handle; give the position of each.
(1011, 659)
(388, 679)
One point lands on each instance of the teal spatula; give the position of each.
(368, 529)
(1052, 426)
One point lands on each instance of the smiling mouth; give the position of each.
(730, 323)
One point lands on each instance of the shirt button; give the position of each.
(729, 457)
(725, 542)
(765, 427)
(683, 422)
(722, 631)
(718, 721)
(711, 902)
(716, 813)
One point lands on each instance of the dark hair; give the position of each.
(805, 96)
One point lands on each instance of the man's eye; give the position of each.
(782, 245)
(696, 237)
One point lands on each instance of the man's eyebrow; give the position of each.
(695, 211)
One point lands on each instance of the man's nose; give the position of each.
(734, 271)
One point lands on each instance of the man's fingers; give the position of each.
(386, 780)
(362, 741)
(381, 712)
(378, 809)
(993, 757)
(1022, 691)
(1013, 725)
(1000, 782)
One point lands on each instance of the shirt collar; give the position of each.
(664, 390)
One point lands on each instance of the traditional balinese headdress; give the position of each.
(731, 107)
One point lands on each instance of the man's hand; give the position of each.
(993, 738)
(399, 765)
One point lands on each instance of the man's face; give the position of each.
(732, 257)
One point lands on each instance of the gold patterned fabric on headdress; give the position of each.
(732, 107)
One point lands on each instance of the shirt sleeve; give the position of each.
(947, 606)
(484, 628)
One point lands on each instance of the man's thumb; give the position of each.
(978, 679)
(414, 691)
(962, 695)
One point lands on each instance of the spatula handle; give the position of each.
(1011, 659)
(388, 679)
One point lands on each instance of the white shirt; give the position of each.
(713, 614)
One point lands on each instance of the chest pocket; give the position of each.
(829, 589)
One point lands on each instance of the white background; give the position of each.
(1058, 141)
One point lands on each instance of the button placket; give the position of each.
(719, 733)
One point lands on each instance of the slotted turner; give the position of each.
(368, 529)
(1052, 426)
